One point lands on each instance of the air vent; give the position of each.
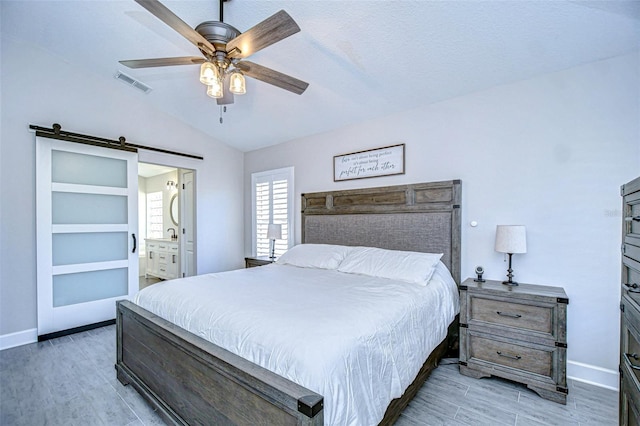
(132, 82)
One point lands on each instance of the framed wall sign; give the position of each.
(385, 161)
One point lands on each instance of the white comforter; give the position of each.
(357, 340)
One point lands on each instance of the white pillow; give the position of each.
(321, 256)
(408, 266)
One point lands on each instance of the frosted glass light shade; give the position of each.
(274, 232)
(215, 89)
(237, 83)
(209, 73)
(511, 239)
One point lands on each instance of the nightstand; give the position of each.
(517, 333)
(252, 262)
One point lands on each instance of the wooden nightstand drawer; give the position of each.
(518, 333)
(631, 278)
(513, 355)
(252, 262)
(629, 398)
(631, 213)
(511, 314)
(630, 338)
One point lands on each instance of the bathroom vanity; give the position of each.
(163, 258)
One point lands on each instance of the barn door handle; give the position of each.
(134, 243)
(516, 357)
(635, 357)
(508, 314)
(632, 218)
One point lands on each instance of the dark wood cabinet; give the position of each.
(252, 262)
(515, 332)
(630, 306)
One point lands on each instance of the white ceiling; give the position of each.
(363, 59)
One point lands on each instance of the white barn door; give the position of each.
(87, 225)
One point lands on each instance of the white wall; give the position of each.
(549, 153)
(63, 94)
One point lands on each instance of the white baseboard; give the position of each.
(18, 338)
(593, 375)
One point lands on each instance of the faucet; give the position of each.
(173, 235)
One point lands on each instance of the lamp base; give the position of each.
(510, 274)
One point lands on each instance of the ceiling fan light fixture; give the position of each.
(209, 73)
(223, 46)
(237, 84)
(215, 89)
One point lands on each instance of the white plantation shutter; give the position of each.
(272, 203)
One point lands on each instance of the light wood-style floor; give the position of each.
(71, 381)
(147, 281)
(449, 398)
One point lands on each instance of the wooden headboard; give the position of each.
(423, 217)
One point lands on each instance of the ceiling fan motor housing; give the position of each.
(217, 33)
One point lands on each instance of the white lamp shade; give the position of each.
(274, 232)
(511, 239)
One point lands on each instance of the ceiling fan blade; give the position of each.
(273, 29)
(163, 62)
(161, 12)
(227, 96)
(270, 76)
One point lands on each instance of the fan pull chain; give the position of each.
(222, 109)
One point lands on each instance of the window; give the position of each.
(155, 225)
(272, 194)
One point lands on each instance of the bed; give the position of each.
(193, 381)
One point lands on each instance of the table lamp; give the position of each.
(511, 239)
(274, 232)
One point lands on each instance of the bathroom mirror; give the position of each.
(173, 209)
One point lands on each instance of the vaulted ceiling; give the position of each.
(362, 59)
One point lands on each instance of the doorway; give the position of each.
(166, 200)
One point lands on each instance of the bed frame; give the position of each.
(192, 381)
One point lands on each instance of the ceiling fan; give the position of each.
(223, 48)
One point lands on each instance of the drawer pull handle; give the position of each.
(516, 357)
(508, 314)
(633, 288)
(635, 357)
(632, 218)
